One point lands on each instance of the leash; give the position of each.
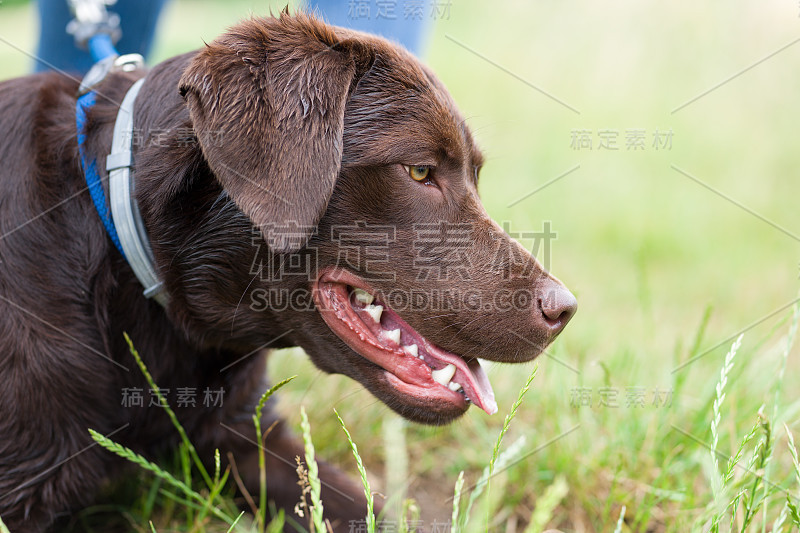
(97, 30)
(94, 28)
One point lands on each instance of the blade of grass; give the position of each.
(546, 504)
(498, 458)
(717, 478)
(733, 506)
(213, 495)
(317, 522)
(240, 485)
(680, 377)
(261, 515)
(395, 470)
(751, 502)
(793, 453)
(621, 520)
(502, 460)
(184, 438)
(790, 506)
(483, 482)
(233, 525)
(216, 467)
(409, 515)
(733, 461)
(784, 358)
(364, 481)
(510, 416)
(777, 525)
(277, 523)
(150, 500)
(794, 514)
(130, 455)
(219, 484)
(182, 501)
(3, 528)
(457, 501)
(186, 469)
(776, 402)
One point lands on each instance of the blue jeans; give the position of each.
(57, 49)
(402, 21)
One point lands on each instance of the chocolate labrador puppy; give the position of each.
(300, 185)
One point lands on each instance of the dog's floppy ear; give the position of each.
(267, 103)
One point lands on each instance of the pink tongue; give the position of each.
(470, 376)
(482, 393)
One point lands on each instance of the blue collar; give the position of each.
(120, 216)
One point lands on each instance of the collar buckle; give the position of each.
(101, 69)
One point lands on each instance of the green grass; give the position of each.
(369, 519)
(201, 500)
(740, 496)
(647, 250)
(314, 508)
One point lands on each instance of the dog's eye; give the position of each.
(418, 172)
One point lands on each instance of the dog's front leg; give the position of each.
(45, 476)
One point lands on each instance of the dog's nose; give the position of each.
(557, 305)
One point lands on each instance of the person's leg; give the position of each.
(139, 19)
(57, 49)
(404, 22)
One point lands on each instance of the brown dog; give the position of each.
(371, 251)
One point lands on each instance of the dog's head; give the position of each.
(372, 249)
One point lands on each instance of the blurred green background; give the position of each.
(645, 248)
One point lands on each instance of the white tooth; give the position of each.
(363, 296)
(375, 311)
(393, 335)
(453, 386)
(443, 376)
(412, 350)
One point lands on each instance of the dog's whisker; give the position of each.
(453, 325)
(317, 374)
(439, 316)
(357, 391)
(468, 324)
(233, 320)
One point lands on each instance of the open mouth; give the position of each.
(412, 365)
